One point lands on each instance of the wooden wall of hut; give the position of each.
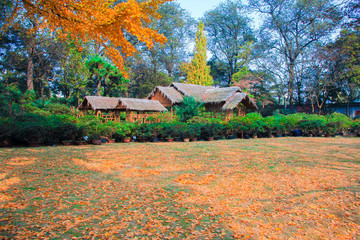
(241, 110)
(109, 116)
(162, 99)
(141, 117)
(213, 107)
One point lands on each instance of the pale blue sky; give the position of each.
(197, 8)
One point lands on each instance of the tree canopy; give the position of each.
(106, 22)
(198, 72)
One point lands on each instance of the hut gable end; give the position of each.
(167, 96)
(238, 98)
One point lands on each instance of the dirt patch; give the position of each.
(21, 161)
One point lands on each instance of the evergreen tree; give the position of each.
(198, 72)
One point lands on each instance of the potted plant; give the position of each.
(107, 132)
(229, 130)
(185, 132)
(291, 124)
(241, 126)
(143, 132)
(194, 131)
(95, 139)
(257, 128)
(155, 131)
(168, 132)
(124, 132)
(218, 130)
(208, 131)
(269, 126)
(331, 128)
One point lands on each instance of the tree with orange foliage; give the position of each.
(107, 22)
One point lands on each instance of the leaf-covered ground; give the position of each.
(286, 188)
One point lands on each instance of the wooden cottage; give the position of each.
(138, 110)
(102, 106)
(227, 102)
(219, 101)
(111, 108)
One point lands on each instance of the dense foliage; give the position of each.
(197, 71)
(297, 53)
(49, 123)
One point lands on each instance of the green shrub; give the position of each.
(30, 132)
(194, 130)
(91, 125)
(240, 124)
(312, 124)
(65, 132)
(339, 121)
(228, 129)
(167, 130)
(211, 130)
(10, 100)
(280, 124)
(155, 130)
(355, 127)
(204, 120)
(292, 121)
(6, 130)
(188, 109)
(269, 125)
(143, 131)
(125, 130)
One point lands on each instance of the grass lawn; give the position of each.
(299, 188)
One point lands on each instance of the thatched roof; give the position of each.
(169, 93)
(219, 95)
(239, 98)
(99, 103)
(133, 104)
(197, 91)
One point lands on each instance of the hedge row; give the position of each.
(56, 128)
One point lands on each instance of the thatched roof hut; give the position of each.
(224, 101)
(140, 105)
(218, 95)
(237, 99)
(167, 96)
(196, 91)
(98, 103)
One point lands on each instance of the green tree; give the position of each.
(30, 58)
(228, 28)
(188, 109)
(198, 72)
(143, 79)
(71, 82)
(290, 28)
(176, 25)
(106, 77)
(244, 58)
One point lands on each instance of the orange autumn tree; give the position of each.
(107, 22)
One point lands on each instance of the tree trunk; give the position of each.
(291, 85)
(98, 88)
(298, 85)
(30, 67)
